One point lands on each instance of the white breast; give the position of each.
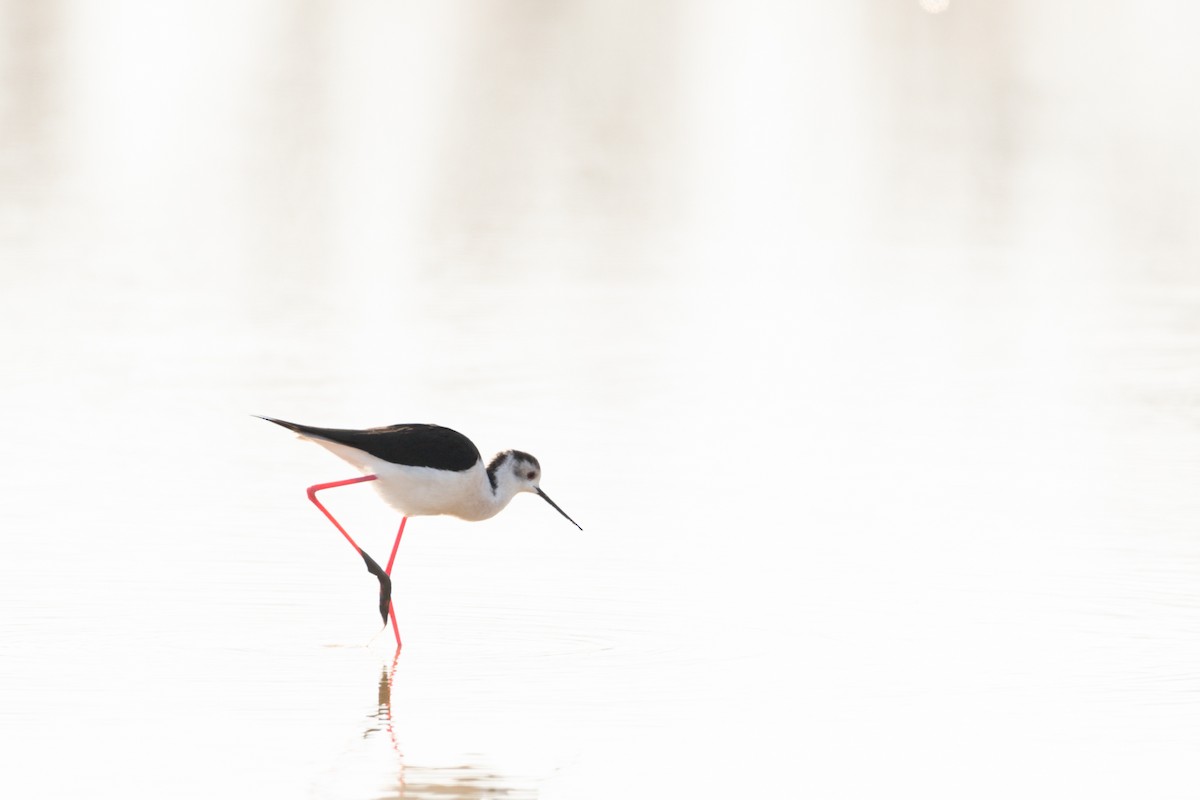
(422, 491)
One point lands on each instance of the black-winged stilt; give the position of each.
(423, 470)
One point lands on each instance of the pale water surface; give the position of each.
(863, 341)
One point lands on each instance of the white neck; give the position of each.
(485, 502)
(508, 485)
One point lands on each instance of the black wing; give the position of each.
(414, 445)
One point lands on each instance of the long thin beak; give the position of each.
(546, 497)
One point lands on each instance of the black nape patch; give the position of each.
(495, 465)
(385, 584)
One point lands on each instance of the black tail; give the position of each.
(291, 426)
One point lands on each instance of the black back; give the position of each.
(413, 445)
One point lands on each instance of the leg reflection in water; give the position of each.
(464, 777)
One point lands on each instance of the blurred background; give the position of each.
(862, 339)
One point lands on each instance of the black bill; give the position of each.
(546, 497)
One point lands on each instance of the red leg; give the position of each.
(388, 570)
(396, 546)
(312, 495)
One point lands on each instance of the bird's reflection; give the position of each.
(414, 782)
(382, 715)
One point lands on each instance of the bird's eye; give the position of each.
(531, 475)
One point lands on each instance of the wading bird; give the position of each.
(423, 470)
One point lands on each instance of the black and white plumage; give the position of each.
(426, 470)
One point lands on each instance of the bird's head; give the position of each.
(526, 473)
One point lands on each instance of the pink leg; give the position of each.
(392, 560)
(396, 546)
(312, 495)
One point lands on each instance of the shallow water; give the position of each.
(862, 343)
